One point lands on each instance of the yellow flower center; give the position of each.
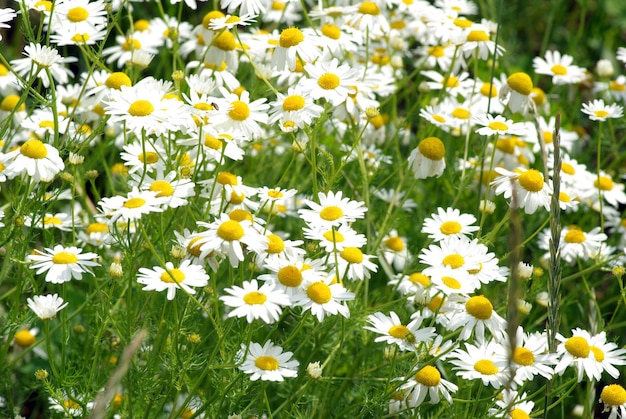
(275, 244)
(290, 37)
(173, 276)
(47, 5)
(574, 235)
(10, 102)
(293, 103)
(97, 228)
(498, 126)
(331, 213)
(598, 354)
(454, 261)
(601, 113)
(225, 41)
(266, 363)
(278, 5)
(64, 258)
(548, 137)
(521, 83)
(432, 148)
(289, 276)
(568, 168)
(212, 142)
(226, 178)
(398, 331)
(395, 243)
(518, 414)
(352, 255)
(617, 87)
(369, 8)
(319, 292)
(531, 180)
(236, 198)
(613, 395)
(331, 31)
(24, 338)
(563, 197)
(452, 81)
(333, 236)
(461, 22)
(578, 346)
(140, 107)
(134, 203)
(162, 187)
(436, 51)
(47, 124)
(428, 376)
(240, 215)
(486, 367)
(604, 183)
(479, 306)
(523, 356)
(52, 221)
(435, 304)
(538, 96)
(213, 14)
(559, 70)
(488, 90)
(230, 230)
(34, 149)
(240, 111)
(77, 14)
(451, 282)
(419, 278)
(460, 113)
(141, 25)
(450, 227)
(439, 118)
(254, 297)
(328, 81)
(477, 36)
(131, 45)
(149, 157)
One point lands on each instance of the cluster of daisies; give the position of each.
(175, 140)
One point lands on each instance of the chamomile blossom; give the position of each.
(242, 114)
(427, 381)
(353, 264)
(392, 331)
(38, 160)
(614, 398)
(512, 405)
(428, 158)
(597, 110)
(332, 210)
(170, 192)
(516, 92)
(295, 44)
(395, 251)
(130, 207)
(575, 243)
(254, 302)
(560, 67)
(449, 222)
(324, 297)
(170, 278)
(473, 315)
(46, 306)
(498, 125)
(40, 57)
(526, 189)
(62, 264)
(293, 111)
(267, 362)
(478, 362)
(329, 80)
(143, 157)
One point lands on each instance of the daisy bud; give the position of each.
(537, 271)
(178, 75)
(41, 374)
(542, 299)
(67, 177)
(578, 411)
(371, 113)
(486, 206)
(389, 352)
(618, 271)
(524, 271)
(91, 174)
(76, 159)
(524, 307)
(178, 252)
(79, 329)
(115, 270)
(194, 338)
(314, 369)
(604, 68)
(141, 59)
(299, 146)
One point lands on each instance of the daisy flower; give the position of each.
(392, 331)
(6, 15)
(598, 111)
(127, 46)
(427, 381)
(453, 281)
(480, 363)
(395, 198)
(295, 44)
(39, 57)
(330, 81)
(59, 221)
(332, 211)
(324, 297)
(475, 42)
(368, 18)
(449, 223)
(242, 114)
(499, 125)
(267, 362)
(526, 189)
(453, 85)
(46, 306)
(516, 92)
(62, 264)
(614, 398)
(603, 185)
(64, 403)
(409, 284)
(511, 406)
(560, 67)
(293, 111)
(170, 193)
(575, 243)
(395, 251)
(354, 264)
(473, 315)
(38, 160)
(143, 157)
(130, 207)
(428, 158)
(455, 252)
(95, 234)
(228, 237)
(170, 279)
(79, 16)
(253, 302)
(230, 22)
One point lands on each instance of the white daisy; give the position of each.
(472, 315)
(499, 125)
(428, 158)
(614, 398)
(480, 363)
(447, 223)
(324, 297)
(392, 331)
(330, 81)
(185, 276)
(252, 302)
(130, 207)
(267, 362)
(242, 114)
(46, 306)
(526, 189)
(599, 111)
(38, 160)
(62, 264)
(332, 210)
(427, 381)
(560, 67)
